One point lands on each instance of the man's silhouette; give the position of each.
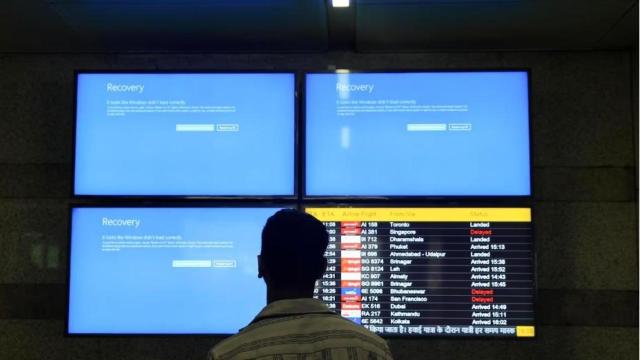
(293, 325)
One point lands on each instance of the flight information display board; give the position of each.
(431, 271)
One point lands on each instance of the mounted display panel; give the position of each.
(164, 270)
(431, 271)
(409, 134)
(185, 134)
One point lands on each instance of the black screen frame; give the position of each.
(408, 198)
(299, 199)
(296, 126)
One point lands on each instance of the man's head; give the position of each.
(293, 246)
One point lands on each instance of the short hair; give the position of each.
(293, 247)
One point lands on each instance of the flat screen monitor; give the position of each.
(164, 270)
(185, 134)
(431, 271)
(417, 134)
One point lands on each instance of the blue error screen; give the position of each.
(425, 134)
(185, 134)
(165, 270)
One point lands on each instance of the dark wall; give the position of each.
(584, 115)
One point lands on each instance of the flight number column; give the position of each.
(373, 284)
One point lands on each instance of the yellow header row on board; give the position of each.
(422, 214)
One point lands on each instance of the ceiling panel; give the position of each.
(309, 26)
(34, 26)
(417, 25)
(243, 25)
(624, 33)
(145, 25)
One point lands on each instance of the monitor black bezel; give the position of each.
(91, 204)
(458, 204)
(406, 198)
(296, 126)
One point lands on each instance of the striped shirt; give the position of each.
(300, 329)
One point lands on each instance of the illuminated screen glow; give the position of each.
(185, 134)
(417, 134)
(165, 270)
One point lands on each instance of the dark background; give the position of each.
(583, 57)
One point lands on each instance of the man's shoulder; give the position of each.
(348, 325)
(300, 333)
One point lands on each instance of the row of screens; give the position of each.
(364, 134)
(429, 271)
